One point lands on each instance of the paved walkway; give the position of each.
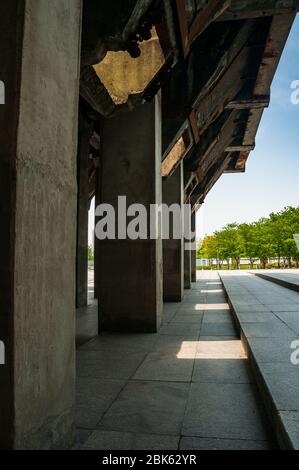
(268, 316)
(285, 277)
(187, 387)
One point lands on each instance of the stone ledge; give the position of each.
(270, 359)
(282, 279)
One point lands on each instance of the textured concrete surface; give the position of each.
(94, 396)
(129, 272)
(173, 250)
(43, 246)
(148, 406)
(269, 325)
(173, 389)
(193, 252)
(187, 268)
(230, 418)
(114, 440)
(82, 212)
(139, 71)
(197, 443)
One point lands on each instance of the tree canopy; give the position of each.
(271, 237)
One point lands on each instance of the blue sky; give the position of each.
(271, 179)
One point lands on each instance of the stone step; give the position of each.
(290, 281)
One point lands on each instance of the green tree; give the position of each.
(267, 238)
(208, 248)
(90, 253)
(229, 244)
(249, 242)
(265, 248)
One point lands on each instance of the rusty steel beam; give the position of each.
(177, 153)
(183, 24)
(244, 9)
(203, 188)
(251, 102)
(222, 141)
(188, 190)
(278, 34)
(205, 16)
(186, 91)
(193, 125)
(225, 60)
(239, 78)
(167, 149)
(239, 147)
(209, 141)
(254, 119)
(279, 31)
(237, 163)
(231, 83)
(216, 172)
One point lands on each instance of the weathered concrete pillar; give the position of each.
(187, 268)
(95, 263)
(85, 130)
(173, 249)
(39, 57)
(129, 272)
(193, 252)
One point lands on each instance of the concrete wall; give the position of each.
(41, 326)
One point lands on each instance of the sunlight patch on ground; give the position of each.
(188, 350)
(232, 349)
(227, 349)
(211, 307)
(208, 291)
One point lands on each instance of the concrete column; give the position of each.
(95, 264)
(129, 272)
(39, 56)
(193, 252)
(97, 201)
(85, 130)
(173, 250)
(187, 269)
